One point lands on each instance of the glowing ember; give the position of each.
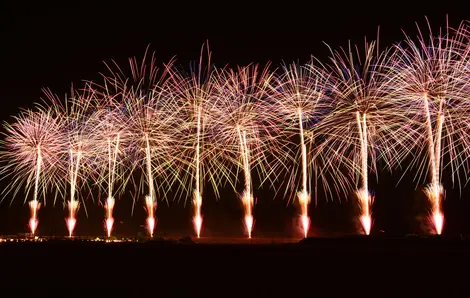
(150, 206)
(71, 221)
(197, 220)
(434, 192)
(247, 200)
(365, 200)
(71, 225)
(151, 225)
(305, 224)
(249, 224)
(366, 222)
(33, 224)
(304, 200)
(197, 225)
(34, 206)
(109, 215)
(109, 225)
(438, 220)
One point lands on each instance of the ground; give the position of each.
(339, 267)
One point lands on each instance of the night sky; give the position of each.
(55, 46)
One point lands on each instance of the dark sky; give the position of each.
(55, 46)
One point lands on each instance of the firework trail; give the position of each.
(77, 140)
(363, 125)
(150, 200)
(428, 76)
(112, 156)
(363, 194)
(247, 195)
(304, 195)
(34, 204)
(194, 94)
(241, 130)
(296, 103)
(197, 193)
(33, 150)
(75, 151)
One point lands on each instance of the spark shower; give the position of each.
(160, 128)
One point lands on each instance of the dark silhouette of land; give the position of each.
(314, 267)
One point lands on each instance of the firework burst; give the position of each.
(241, 133)
(428, 77)
(109, 162)
(194, 95)
(150, 120)
(363, 124)
(33, 152)
(297, 104)
(79, 133)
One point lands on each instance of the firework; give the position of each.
(326, 124)
(79, 132)
(194, 94)
(109, 162)
(150, 119)
(428, 77)
(33, 149)
(241, 131)
(297, 104)
(362, 122)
